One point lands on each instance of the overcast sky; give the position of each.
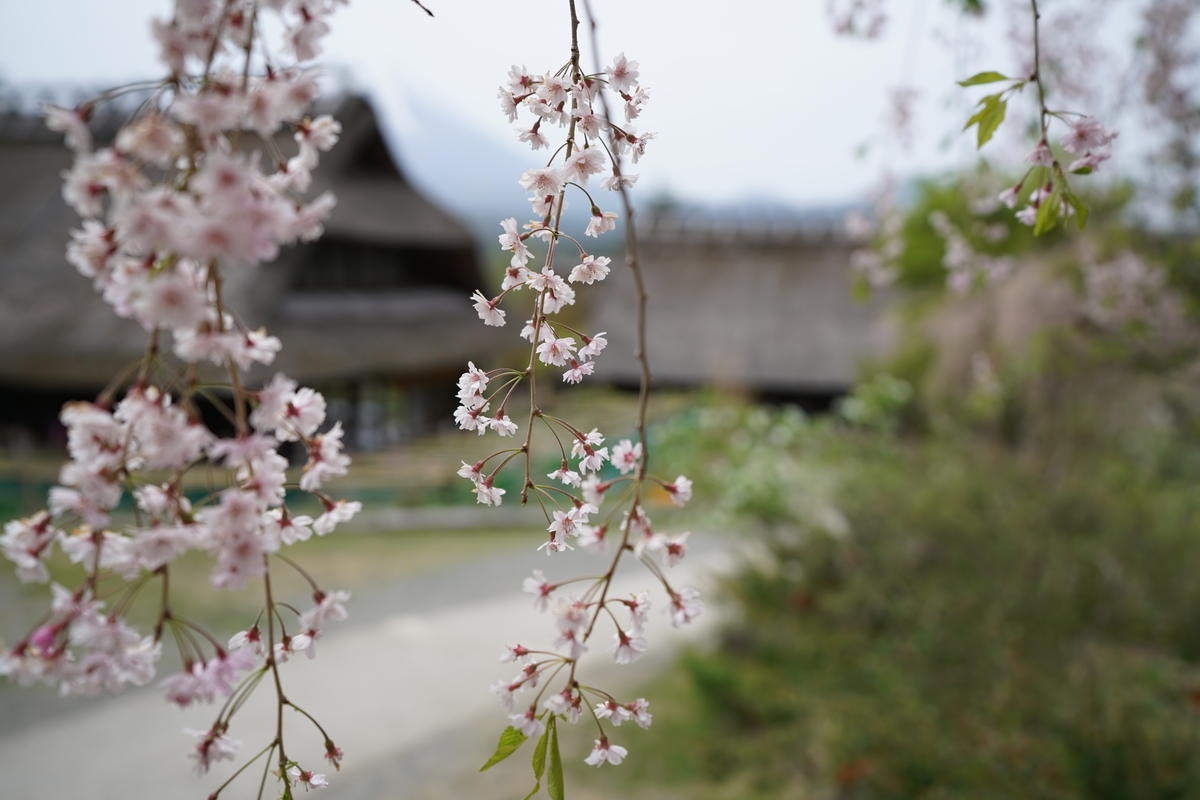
(750, 98)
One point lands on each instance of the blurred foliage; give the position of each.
(968, 203)
(940, 617)
(1033, 347)
(971, 580)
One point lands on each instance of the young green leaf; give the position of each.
(539, 753)
(1048, 213)
(987, 118)
(981, 78)
(539, 763)
(554, 779)
(1081, 209)
(510, 740)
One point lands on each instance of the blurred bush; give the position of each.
(973, 580)
(941, 617)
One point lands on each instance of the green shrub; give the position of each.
(948, 618)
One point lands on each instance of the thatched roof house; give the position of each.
(767, 309)
(381, 299)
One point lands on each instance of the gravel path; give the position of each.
(402, 687)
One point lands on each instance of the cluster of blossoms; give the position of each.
(1044, 189)
(964, 244)
(170, 207)
(594, 499)
(965, 266)
(1088, 141)
(1133, 296)
(877, 263)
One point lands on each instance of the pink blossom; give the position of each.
(1041, 155)
(502, 424)
(302, 415)
(511, 240)
(1027, 215)
(533, 137)
(329, 608)
(71, 122)
(528, 723)
(307, 778)
(556, 351)
(335, 514)
(487, 310)
(520, 80)
(615, 182)
(506, 691)
(622, 73)
(554, 543)
(1091, 160)
(590, 269)
(569, 477)
(629, 648)
(614, 711)
(578, 371)
(605, 753)
(1087, 134)
(487, 494)
(639, 608)
(583, 163)
(640, 709)
(685, 606)
(543, 182)
(515, 653)
(675, 548)
(600, 222)
(325, 460)
(680, 491)
(213, 745)
(250, 639)
(626, 455)
(564, 704)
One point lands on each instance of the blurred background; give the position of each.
(946, 472)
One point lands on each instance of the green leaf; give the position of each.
(539, 753)
(1081, 209)
(987, 118)
(539, 763)
(554, 780)
(984, 103)
(510, 740)
(1082, 171)
(1047, 216)
(980, 78)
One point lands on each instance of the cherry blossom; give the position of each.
(569, 113)
(606, 753)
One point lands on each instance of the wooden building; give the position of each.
(766, 309)
(375, 314)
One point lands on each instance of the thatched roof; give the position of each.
(54, 330)
(764, 308)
